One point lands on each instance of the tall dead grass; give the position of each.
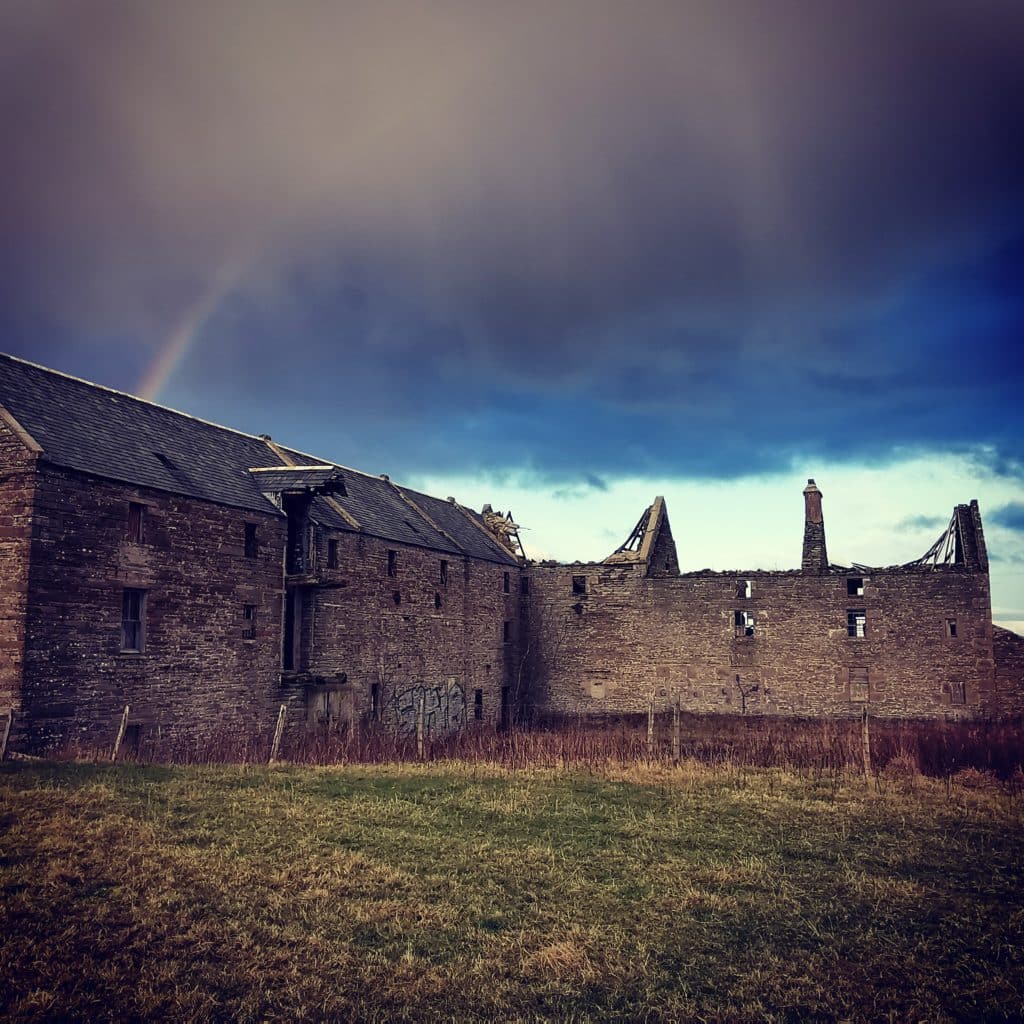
(812, 746)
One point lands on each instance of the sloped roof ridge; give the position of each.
(129, 395)
(190, 416)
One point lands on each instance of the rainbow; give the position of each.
(174, 348)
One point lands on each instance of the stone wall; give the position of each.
(423, 633)
(17, 488)
(211, 657)
(926, 652)
(1008, 651)
(197, 671)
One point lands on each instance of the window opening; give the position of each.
(857, 623)
(859, 684)
(957, 693)
(579, 584)
(133, 603)
(136, 522)
(375, 701)
(332, 554)
(524, 585)
(248, 622)
(478, 704)
(506, 631)
(744, 622)
(396, 596)
(292, 630)
(392, 562)
(444, 573)
(951, 627)
(437, 600)
(855, 587)
(251, 543)
(506, 583)
(745, 588)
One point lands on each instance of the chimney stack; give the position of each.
(815, 558)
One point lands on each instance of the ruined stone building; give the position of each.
(203, 577)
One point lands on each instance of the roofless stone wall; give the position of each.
(762, 642)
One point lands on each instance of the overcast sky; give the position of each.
(566, 254)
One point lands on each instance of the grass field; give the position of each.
(457, 892)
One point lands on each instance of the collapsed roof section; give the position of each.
(650, 544)
(962, 544)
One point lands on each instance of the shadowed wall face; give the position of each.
(17, 492)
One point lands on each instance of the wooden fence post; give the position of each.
(120, 733)
(275, 747)
(866, 736)
(675, 731)
(650, 728)
(419, 726)
(6, 733)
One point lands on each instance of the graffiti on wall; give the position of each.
(444, 708)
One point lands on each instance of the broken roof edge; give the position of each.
(639, 546)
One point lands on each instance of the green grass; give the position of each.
(448, 892)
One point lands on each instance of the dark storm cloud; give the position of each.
(576, 238)
(1010, 516)
(922, 522)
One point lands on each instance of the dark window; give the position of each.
(444, 573)
(133, 607)
(506, 631)
(248, 622)
(478, 704)
(855, 587)
(951, 627)
(375, 701)
(745, 588)
(292, 629)
(957, 693)
(392, 562)
(579, 584)
(744, 623)
(332, 554)
(251, 543)
(506, 586)
(857, 623)
(437, 600)
(136, 522)
(524, 585)
(396, 596)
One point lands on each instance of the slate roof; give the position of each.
(276, 479)
(109, 434)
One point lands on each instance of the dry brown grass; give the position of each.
(469, 891)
